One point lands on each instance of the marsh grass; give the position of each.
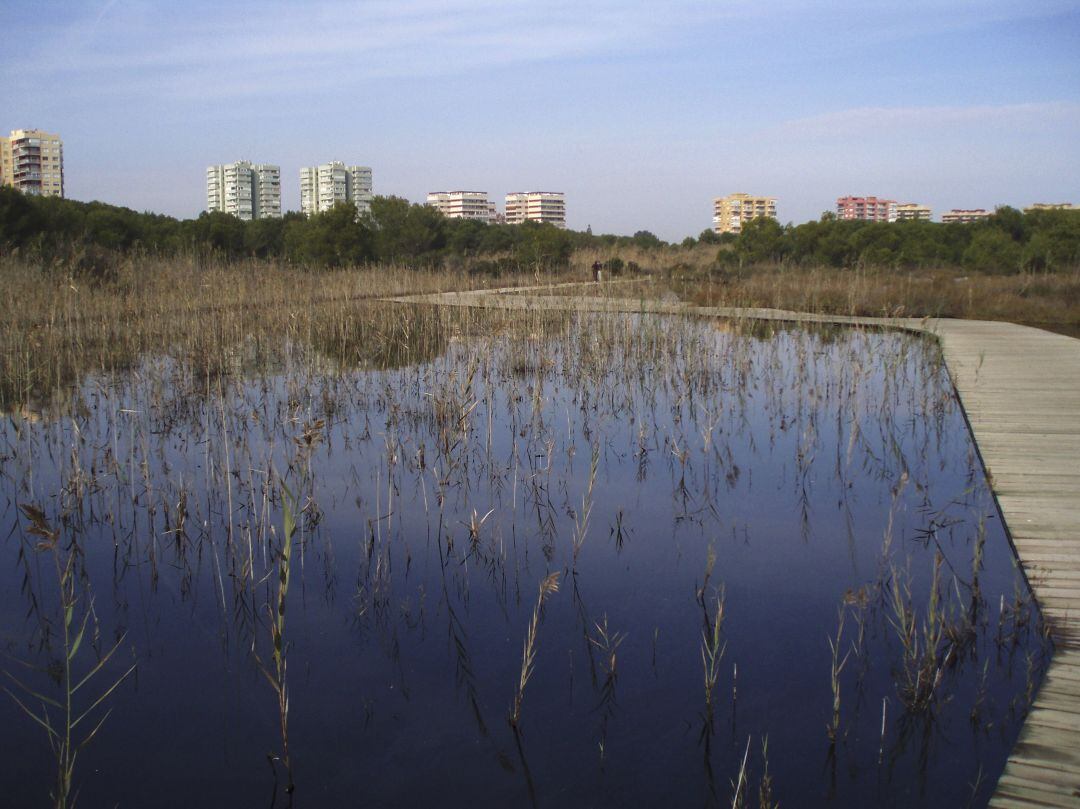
(549, 585)
(1047, 299)
(835, 669)
(59, 327)
(277, 674)
(606, 642)
(445, 440)
(70, 722)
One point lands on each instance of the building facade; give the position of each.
(912, 211)
(866, 209)
(536, 206)
(463, 205)
(244, 189)
(1051, 206)
(33, 162)
(323, 187)
(730, 213)
(964, 216)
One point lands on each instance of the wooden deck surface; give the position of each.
(1020, 391)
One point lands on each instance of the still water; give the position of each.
(778, 565)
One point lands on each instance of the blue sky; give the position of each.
(640, 112)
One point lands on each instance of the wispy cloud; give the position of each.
(867, 119)
(234, 48)
(211, 49)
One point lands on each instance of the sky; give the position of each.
(641, 112)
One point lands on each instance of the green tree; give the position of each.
(406, 232)
(333, 238)
(265, 238)
(762, 240)
(20, 220)
(542, 246)
(992, 250)
(644, 238)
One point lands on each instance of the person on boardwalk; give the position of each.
(596, 269)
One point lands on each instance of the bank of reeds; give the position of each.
(59, 326)
(1050, 300)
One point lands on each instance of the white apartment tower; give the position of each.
(463, 205)
(536, 206)
(245, 190)
(323, 187)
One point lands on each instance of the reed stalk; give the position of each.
(549, 585)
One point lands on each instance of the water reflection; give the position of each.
(321, 553)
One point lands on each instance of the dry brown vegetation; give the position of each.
(1049, 300)
(215, 319)
(58, 326)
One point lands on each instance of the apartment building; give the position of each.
(912, 212)
(463, 205)
(536, 206)
(964, 216)
(244, 189)
(867, 209)
(1051, 206)
(730, 213)
(33, 162)
(323, 187)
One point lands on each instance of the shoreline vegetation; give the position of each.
(93, 287)
(207, 384)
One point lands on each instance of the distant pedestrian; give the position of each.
(596, 268)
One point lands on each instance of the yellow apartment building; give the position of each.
(33, 162)
(730, 213)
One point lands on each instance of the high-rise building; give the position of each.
(323, 187)
(33, 162)
(867, 209)
(463, 205)
(245, 190)
(964, 216)
(536, 206)
(911, 211)
(730, 213)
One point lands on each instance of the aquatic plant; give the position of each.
(549, 585)
(67, 719)
(277, 676)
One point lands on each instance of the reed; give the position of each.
(549, 585)
(449, 423)
(606, 643)
(921, 667)
(581, 520)
(712, 648)
(277, 673)
(766, 798)
(836, 667)
(68, 720)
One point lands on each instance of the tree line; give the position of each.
(396, 231)
(1007, 241)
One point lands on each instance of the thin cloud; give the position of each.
(868, 118)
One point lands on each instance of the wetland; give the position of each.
(399, 555)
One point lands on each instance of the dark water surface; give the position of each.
(799, 479)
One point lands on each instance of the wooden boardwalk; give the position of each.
(1020, 391)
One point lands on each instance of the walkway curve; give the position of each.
(1019, 388)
